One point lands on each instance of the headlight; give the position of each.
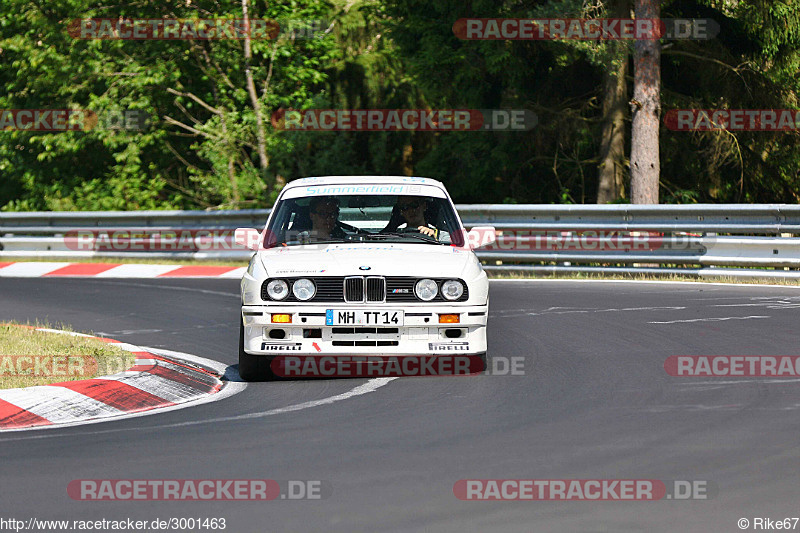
(304, 289)
(426, 289)
(277, 289)
(452, 289)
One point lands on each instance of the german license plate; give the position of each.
(349, 317)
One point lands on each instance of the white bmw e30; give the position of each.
(361, 265)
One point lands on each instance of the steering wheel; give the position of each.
(416, 231)
(354, 229)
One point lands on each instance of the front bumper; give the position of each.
(420, 334)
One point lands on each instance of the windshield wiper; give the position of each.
(392, 234)
(314, 241)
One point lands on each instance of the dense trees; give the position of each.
(211, 142)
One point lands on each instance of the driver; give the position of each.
(412, 211)
(324, 213)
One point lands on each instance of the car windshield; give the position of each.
(363, 218)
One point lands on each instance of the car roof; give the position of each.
(361, 180)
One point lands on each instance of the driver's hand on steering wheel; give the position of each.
(430, 232)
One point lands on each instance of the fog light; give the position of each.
(282, 319)
(277, 334)
(449, 319)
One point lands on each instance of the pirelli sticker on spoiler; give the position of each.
(448, 346)
(281, 346)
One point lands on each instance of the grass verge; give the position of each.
(29, 357)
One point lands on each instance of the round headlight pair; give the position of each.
(426, 289)
(303, 289)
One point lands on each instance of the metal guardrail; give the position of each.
(720, 218)
(697, 240)
(50, 223)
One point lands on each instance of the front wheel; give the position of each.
(253, 367)
(486, 361)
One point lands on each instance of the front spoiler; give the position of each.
(416, 337)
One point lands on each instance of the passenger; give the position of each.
(410, 211)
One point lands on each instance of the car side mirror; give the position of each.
(481, 236)
(248, 238)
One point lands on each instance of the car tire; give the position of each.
(485, 360)
(253, 367)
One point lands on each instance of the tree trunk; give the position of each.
(646, 111)
(611, 171)
(261, 134)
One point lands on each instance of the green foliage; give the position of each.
(200, 149)
(195, 91)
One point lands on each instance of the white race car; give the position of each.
(352, 266)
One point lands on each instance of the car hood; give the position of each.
(382, 259)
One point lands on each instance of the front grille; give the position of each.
(391, 289)
(329, 289)
(365, 336)
(361, 331)
(400, 289)
(376, 289)
(354, 289)
(365, 343)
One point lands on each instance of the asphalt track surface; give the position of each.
(594, 403)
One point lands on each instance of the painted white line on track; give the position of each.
(710, 319)
(744, 297)
(768, 305)
(229, 390)
(764, 381)
(370, 386)
(133, 332)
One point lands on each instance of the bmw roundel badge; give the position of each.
(364, 268)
